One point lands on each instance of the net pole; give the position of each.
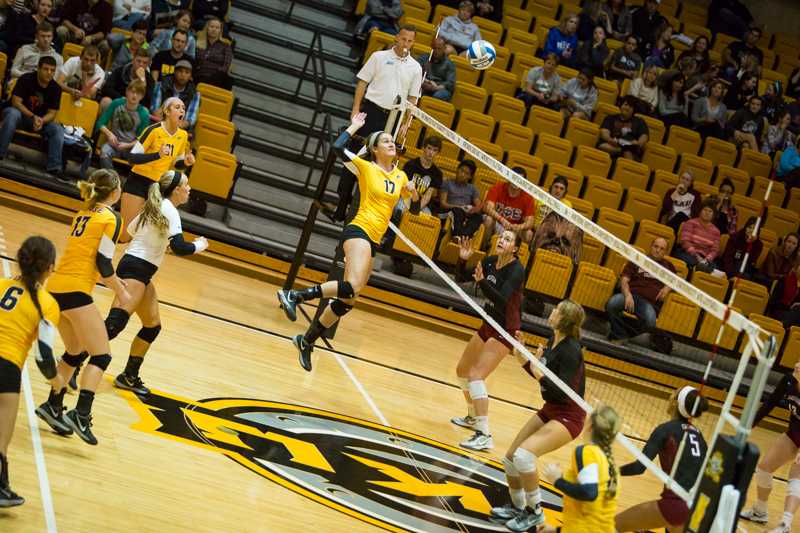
(764, 363)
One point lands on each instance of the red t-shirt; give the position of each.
(515, 209)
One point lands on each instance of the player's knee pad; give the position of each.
(74, 360)
(345, 290)
(763, 479)
(477, 390)
(793, 488)
(524, 461)
(100, 361)
(116, 321)
(509, 467)
(463, 383)
(340, 308)
(149, 334)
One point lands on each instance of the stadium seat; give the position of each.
(787, 64)
(641, 204)
(542, 8)
(662, 182)
(502, 58)
(490, 30)
(214, 173)
(746, 207)
(422, 230)
(709, 329)
(680, 267)
(425, 30)
(714, 286)
(722, 40)
(448, 249)
(754, 163)
(616, 222)
(629, 173)
(593, 286)
(696, 14)
(543, 120)
(683, 141)
(550, 274)
(215, 101)
(626, 88)
(574, 177)
(493, 150)
(607, 91)
(417, 9)
(508, 108)
(512, 136)
(465, 73)
(614, 45)
(566, 73)
(719, 151)
(678, 315)
(649, 230)
(768, 239)
(3, 65)
(694, 31)
(444, 112)
(781, 221)
(419, 49)
(517, 19)
(791, 352)
(584, 207)
(413, 135)
(656, 128)
(705, 189)
(71, 50)
(522, 64)
(83, 115)
(616, 262)
(447, 165)
(533, 165)
(521, 42)
(771, 76)
(750, 297)
(569, 7)
(378, 40)
(592, 161)
(777, 193)
(770, 325)
(702, 169)
(214, 132)
(469, 96)
(582, 132)
(499, 81)
(552, 149)
(592, 250)
(740, 178)
(541, 27)
(659, 157)
(441, 11)
(475, 125)
(793, 203)
(603, 193)
(602, 110)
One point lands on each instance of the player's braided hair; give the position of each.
(99, 186)
(605, 425)
(35, 257)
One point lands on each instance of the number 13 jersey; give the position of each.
(380, 191)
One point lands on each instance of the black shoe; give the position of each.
(131, 383)
(82, 426)
(55, 419)
(305, 350)
(73, 381)
(60, 177)
(9, 498)
(288, 304)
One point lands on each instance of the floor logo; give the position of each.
(384, 476)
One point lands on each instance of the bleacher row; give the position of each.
(622, 196)
(214, 136)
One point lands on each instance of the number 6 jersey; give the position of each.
(19, 319)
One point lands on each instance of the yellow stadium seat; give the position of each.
(659, 157)
(566, 73)
(543, 120)
(626, 87)
(552, 149)
(614, 45)
(447, 165)
(521, 42)
(695, 14)
(592, 250)
(512, 136)
(506, 108)
(656, 128)
(574, 178)
(740, 178)
(502, 58)
(669, 8)
(793, 203)
(475, 125)
(755, 163)
(448, 249)
(746, 207)
(602, 110)
(72, 50)
(616, 222)
(413, 134)
(444, 112)
(603, 193)
(750, 297)
(493, 150)
(469, 96)
(678, 315)
(592, 161)
(425, 30)
(705, 189)
(607, 91)
(522, 64)
(702, 169)
(649, 230)
(791, 352)
(517, 19)
(542, 8)
(378, 40)
(694, 31)
(722, 40)
(582, 132)
(569, 7)
(214, 132)
(213, 173)
(3, 65)
(680, 267)
(714, 286)
(550, 274)
(541, 27)
(422, 230)
(709, 329)
(629, 173)
(662, 182)
(419, 49)
(593, 286)
(82, 113)
(417, 9)
(499, 82)
(719, 151)
(215, 101)
(768, 239)
(772, 76)
(781, 221)
(683, 141)
(641, 204)
(441, 11)
(584, 207)
(490, 30)
(532, 164)
(770, 325)
(361, 7)
(787, 64)
(616, 262)
(777, 193)
(465, 73)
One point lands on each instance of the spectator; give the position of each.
(86, 22)
(27, 58)
(699, 85)
(579, 96)
(558, 190)
(427, 177)
(746, 125)
(709, 113)
(625, 62)
(698, 240)
(644, 20)
(659, 51)
(122, 122)
(164, 61)
(458, 30)
(35, 101)
(164, 13)
(744, 241)
(490, 9)
(128, 48)
(794, 109)
(645, 90)
(81, 76)
(592, 15)
(508, 207)
(116, 86)
(680, 203)
(205, 10)
(624, 134)
(380, 15)
(213, 57)
(673, 106)
(741, 91)
(780, 260)
(788, 170)
(461, 199)
(179, 84)
(183, 22)
(734, 54)
(440, 79)
(563, 41)
(620, 19)
(778, 137)
(773, 104)
(793, 84)
(729, 16)
(698, 52)
(543, 84)
(687, 67)
(641, 294)
(727, 218)
(22, 27)
(127, 13)
(592, 54)
(784, 302)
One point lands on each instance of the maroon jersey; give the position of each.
(503, 288)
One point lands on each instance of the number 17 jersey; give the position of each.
(380, 191)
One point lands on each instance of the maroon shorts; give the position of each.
(673, 508)
(486, 332)
(569, 415)
(794, 430)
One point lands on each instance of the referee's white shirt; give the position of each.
(389, 75)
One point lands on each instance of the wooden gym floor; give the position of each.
(164, 464)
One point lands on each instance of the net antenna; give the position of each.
(711, 305)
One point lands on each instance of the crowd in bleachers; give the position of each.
(656, 122)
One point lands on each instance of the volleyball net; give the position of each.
(757, 342)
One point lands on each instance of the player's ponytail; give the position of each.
(35, 258)
(605, 426)
(151, 211)
(99, 186)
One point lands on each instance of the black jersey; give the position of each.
(664, 442)
(786, 394)
(566, 362)
(503, 288)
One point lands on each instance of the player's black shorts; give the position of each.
(137, 185)
(132, 267)
(71, 300)
(10, 377)
(351, 231)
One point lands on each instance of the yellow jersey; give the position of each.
(19, 319)
(77, 270)
(150, 141)
(380, 191)
(589, 517)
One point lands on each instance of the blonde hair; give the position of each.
(605, 426)
(167, 104)
(151, 211)
(564, 20)
(570, 318)
(99, 186)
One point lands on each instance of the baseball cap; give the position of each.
(183, 63)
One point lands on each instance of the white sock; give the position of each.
(471, 409)
(760, 507)
(534, 498)
(482, 424)
(517, 497)
(788, 518)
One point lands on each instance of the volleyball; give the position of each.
(481, 54)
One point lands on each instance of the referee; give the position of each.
(386, 75)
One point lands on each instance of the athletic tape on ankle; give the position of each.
(524, 461)
(763, 479)
(477, 390)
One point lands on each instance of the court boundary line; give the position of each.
(33, 424)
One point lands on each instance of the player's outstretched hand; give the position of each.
(358, 120)
(464, 247)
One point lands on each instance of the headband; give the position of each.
(372, 140)
(176, 180)
(682, 396)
